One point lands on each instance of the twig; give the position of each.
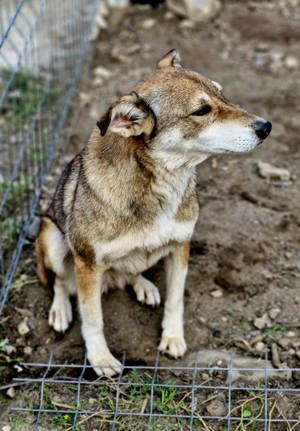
(270, 415)
(206, 427)
(88, 418)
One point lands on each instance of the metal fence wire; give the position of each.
(42, 44)
(207, 398)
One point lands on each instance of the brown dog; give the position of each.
(128, 199)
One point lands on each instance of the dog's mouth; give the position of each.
(233, 136)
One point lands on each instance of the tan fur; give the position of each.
(128, 199)
(185, 253)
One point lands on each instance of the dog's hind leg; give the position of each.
(146, 292)
(52, 252)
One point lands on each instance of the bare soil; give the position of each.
(247, 242)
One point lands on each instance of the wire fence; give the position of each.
(198, 397)
(42, 45)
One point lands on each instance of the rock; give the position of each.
(265, 170)
(102, 72)
(133, 49)
(260, 347)
(117, 54)
(216, 408)
(6, 428)
(187, 23)
(196, 10)
(218, 293)
(11, 393)
(98, 82)
(274, 312)
(28, 350)
(284, 342)
(262, 322)
(23, 327)
(296, 344)
(148, 23)
(168, 15)
(241, 366)
(291, 62)
(291, 334)
(275, 356)
(9, 349)
(262, 47)
(84, 98)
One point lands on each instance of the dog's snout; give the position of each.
(262, 128)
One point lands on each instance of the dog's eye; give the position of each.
(205, 109)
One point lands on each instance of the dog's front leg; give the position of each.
(88, 279)
(172, 340)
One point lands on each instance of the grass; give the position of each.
(26, 94)
(134, 397)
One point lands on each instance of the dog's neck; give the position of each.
(128, 173)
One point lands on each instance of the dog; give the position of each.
(128, 199)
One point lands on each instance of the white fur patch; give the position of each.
(164, 230)
(229, 136)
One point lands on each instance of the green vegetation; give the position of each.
(26, 94)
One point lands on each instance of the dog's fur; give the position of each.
(128, 199)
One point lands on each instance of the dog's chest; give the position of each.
(165, 230)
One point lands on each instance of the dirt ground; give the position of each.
(246, 246)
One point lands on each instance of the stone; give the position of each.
(207, 358)
(28, 350)
(98, 82)
(196, 10)
(284, 342)
(262, 47)
(291, 334)
(274, 312)
(23, 327)
(187, 23)
(118, 55)
(11, 393)
(275, 356)
(6, 428)
(216, 408)
(291, 62)
(102, 72)
(262, 322)
(218, 293)
(260, 347)
(268, 171)
(148, 23)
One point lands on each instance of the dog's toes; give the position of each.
(146, 292)
(60, 315)
(174, 346)
(106, 365)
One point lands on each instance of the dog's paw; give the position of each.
(146, 292)
(105, 364)
(60, 314)
(172, 345)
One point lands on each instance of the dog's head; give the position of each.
(184, 113)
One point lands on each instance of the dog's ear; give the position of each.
(129, 116)
(170, 59)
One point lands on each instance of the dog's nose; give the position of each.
(262, 128)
